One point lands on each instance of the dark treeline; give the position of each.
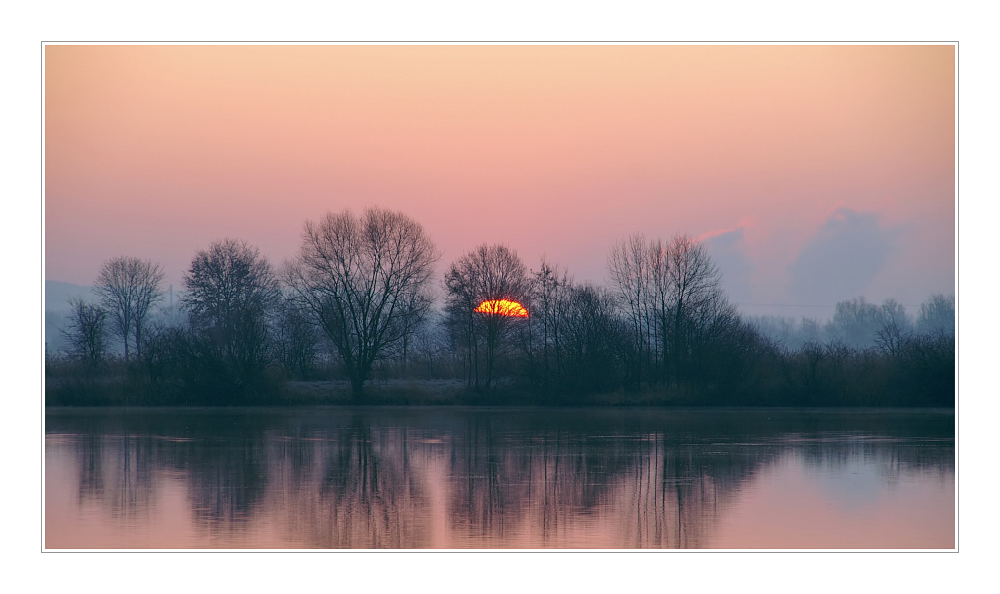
(353, 313)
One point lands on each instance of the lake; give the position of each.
(483, 478)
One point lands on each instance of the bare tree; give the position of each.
(86, 331)
(894, 328)
(296, 339)
(629, 264)
(550, 290)
(486, 273)
(364, 280)
(695, 297)
(671, 296)
(937, 316)
(231, 290)
(860, 324)
(594, 339)
(128, 288)
(854, 322)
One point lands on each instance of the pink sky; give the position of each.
(816, 173)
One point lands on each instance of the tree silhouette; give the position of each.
(85, 332)
(364, 280)
(296, 339)
(937, 316)
(629, 263)
(894, 328)
(128, 287)
(696, 302)
(550, 289)
(230, 293)
(487, 272)
(671, 296)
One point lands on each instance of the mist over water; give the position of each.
(489, 478)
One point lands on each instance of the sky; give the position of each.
(813, 173)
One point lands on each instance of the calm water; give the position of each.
(488, 478)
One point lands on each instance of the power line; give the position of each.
(809, 305)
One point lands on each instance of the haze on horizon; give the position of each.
(815, 173)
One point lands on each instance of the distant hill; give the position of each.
(58, 294)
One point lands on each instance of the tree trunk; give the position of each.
(357, 388)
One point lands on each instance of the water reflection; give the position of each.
(455, 478)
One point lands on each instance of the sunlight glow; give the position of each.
(503, 307)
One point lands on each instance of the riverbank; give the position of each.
(123, 391)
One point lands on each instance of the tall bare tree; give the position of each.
(128, 287)
(231, 290)
(487, 272)
(550, 290)
(365, 281)
(629, 265)
(696, 299)
(671, 295)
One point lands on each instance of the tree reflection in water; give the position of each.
(453, 478)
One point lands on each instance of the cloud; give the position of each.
(728, 251)
(840, 261)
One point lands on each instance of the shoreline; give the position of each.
(104, 392)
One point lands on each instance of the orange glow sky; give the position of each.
(816, 173)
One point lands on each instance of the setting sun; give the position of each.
(503, 307)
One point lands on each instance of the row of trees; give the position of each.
(360, 292)
(127, 288)
(860, 324)
(360, 283)
(674, 304)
